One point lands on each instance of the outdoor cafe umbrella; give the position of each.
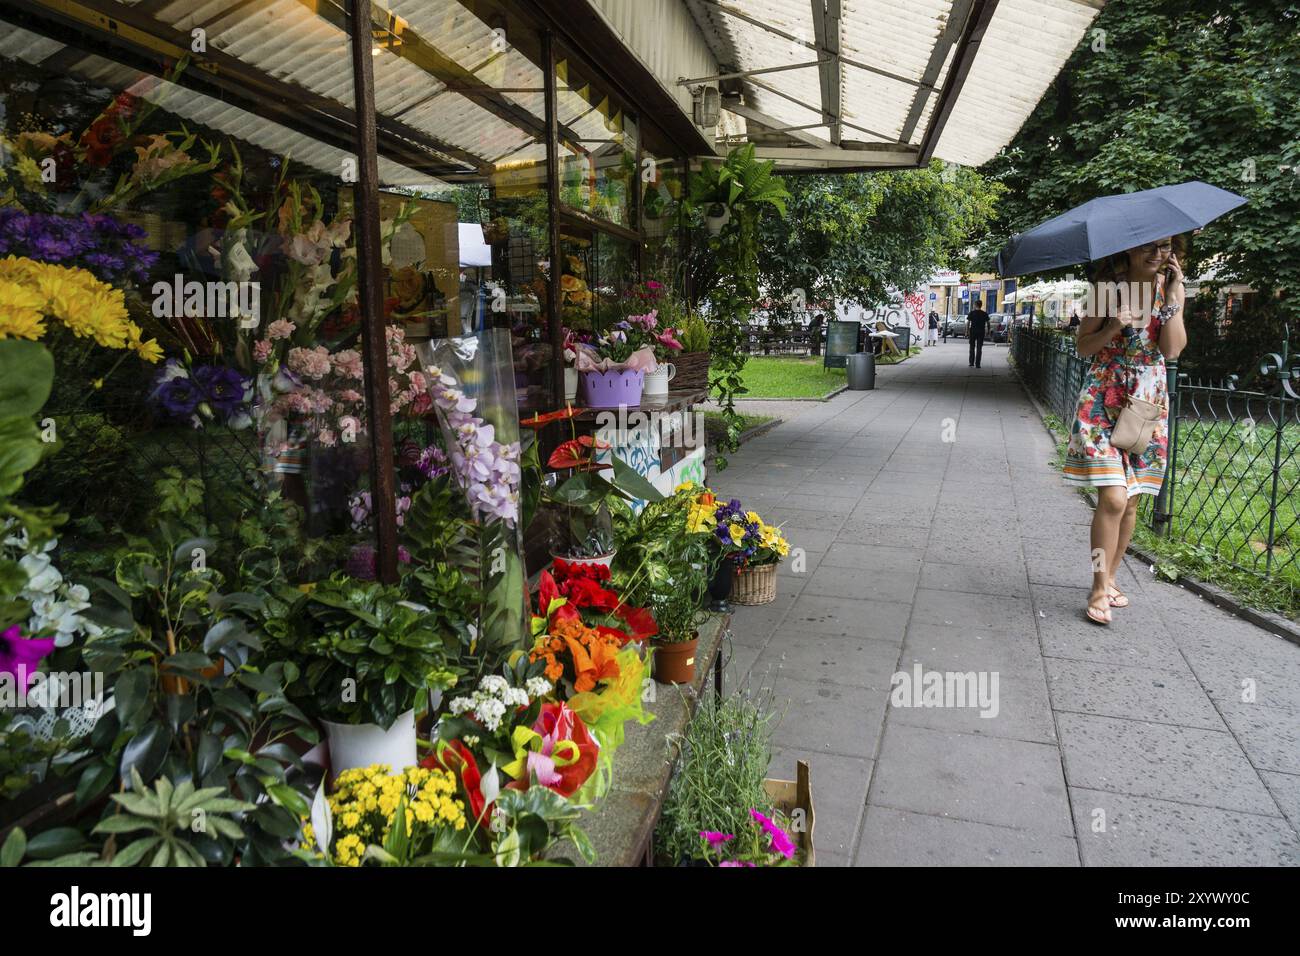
(1110, 224)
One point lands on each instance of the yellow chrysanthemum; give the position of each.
(21, 313)
(85, 305)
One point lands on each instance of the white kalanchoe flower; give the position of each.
(514, 697)
(493, 684)
(490, 712)
(538, 686)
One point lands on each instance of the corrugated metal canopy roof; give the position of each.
(887, 82)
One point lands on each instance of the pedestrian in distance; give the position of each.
(932, 337)
(1119, 439)
(977, 326)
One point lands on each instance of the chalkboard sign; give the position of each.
(841, 341)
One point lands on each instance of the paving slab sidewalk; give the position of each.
(938, 535)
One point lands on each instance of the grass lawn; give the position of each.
(782, 376)
(1221, 514)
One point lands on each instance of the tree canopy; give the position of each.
(854, 236)
(1164, 91)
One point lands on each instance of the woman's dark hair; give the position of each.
(1114, 268)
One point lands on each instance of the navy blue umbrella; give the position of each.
(1110, 224)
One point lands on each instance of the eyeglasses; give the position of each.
(1157, 247)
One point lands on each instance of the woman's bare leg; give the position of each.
(1126, 526)
(1112, 504)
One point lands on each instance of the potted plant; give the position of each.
(365, 660)
(585, 529)
(755, 548)
(678, 613)
(716, 216)
(613, 368)
(720, 809)
(693, 361)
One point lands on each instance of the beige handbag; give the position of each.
(1136, 424)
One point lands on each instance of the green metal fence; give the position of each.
(1232, 488)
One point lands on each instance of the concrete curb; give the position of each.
(825, 398)
(1267, 620)
(760, 429)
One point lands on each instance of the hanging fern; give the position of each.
(744, 186)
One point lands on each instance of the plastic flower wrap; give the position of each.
(558, 751)
(472, 386)
(606, 709)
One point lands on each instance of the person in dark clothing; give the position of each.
(933, 332)
(978, 325)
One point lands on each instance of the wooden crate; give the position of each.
(794, 798)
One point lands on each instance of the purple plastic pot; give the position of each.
(613, 389)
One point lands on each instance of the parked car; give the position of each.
(1000, 326)
(958, 325)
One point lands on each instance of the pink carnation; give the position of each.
(348, 364)
(261, 351)
(280, 329)
(310, 363)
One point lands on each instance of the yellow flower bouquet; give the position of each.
(377, 816)
(33, 292)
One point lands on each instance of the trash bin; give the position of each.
(862, 370)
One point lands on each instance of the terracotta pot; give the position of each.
(674, 663)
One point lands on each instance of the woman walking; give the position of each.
(1128, 353)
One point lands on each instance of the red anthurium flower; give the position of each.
(576, 453)
(539, 419)
(569, 454)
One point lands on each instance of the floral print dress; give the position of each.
(1130, 364)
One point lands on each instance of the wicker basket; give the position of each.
(692, 371)
(754, 585)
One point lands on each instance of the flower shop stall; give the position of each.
(300, 528)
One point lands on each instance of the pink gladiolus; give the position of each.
(666, 338)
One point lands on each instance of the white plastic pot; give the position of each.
(605, 560)
(360, 745)
(715, 223)
(570, 384)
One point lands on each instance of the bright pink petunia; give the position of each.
(781, 842)
(716, 839)
(21, 656)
